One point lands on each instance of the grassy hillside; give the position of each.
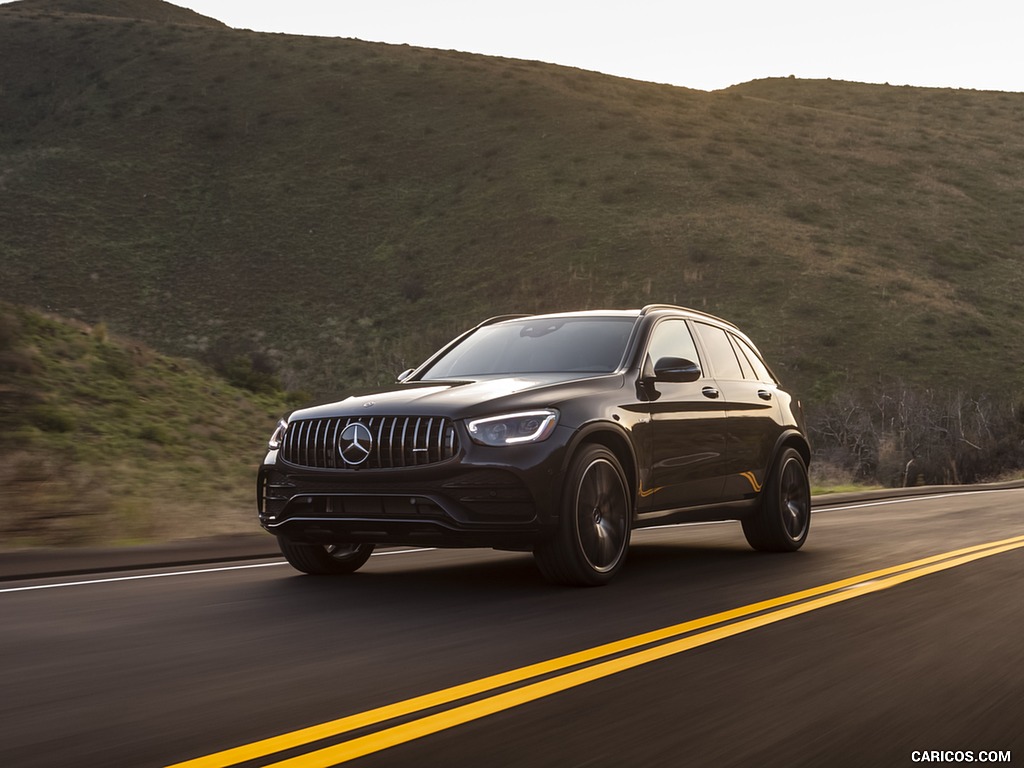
(107, 441)
(342, 207)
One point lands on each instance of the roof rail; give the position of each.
(654, 307)
(499, 318)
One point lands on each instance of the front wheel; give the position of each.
(325, 559)
(594, 524)
(783, 519)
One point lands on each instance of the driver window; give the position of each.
(671, 338)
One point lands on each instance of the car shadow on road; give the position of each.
(491, 576)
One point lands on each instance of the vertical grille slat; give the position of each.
(310, 446)
(401, 446)
(428, 441)
(335, 461)
(391, 443)
(413, 454)
(380, 442)
(301, 439)
(318, 446)
(292, 446)
(398, 441)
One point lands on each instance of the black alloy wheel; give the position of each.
(783, 520)
(595, 523)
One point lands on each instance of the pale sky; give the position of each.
(706, 44)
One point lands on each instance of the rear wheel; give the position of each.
(325, 559)
(594, 526)
(784, 517)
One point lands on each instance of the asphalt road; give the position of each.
(724, 657)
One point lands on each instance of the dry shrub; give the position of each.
(903, 436)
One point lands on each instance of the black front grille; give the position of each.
(395, 441)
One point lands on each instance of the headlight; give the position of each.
(278, 437)
(513, 428)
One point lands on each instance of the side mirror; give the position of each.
(405, 375)
(676, 369)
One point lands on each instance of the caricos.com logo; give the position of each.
(960, 756)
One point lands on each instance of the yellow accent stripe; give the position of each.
(752, 479)
(650, 492)
(780, 608)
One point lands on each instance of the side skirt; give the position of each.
(737, 510)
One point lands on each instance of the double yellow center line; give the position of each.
(395, 725)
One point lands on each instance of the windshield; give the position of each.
(584, 345)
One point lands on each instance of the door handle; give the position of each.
(764, 394)
(710, 392)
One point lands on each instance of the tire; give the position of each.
(783, 519)
(594, 525)
(325, 559)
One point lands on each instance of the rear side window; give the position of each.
(724, 364)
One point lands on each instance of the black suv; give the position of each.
(556, 434)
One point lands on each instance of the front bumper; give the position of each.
(496, 497)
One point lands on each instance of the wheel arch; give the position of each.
(791, 438)
(614, 438)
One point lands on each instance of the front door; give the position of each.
(687, 429)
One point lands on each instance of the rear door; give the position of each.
(749, 394)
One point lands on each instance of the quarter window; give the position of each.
(763, 374)
(748, 371)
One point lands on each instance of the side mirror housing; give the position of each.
(676, 369)
(405, 374)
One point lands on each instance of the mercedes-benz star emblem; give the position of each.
(355, 443)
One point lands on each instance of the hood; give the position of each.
(460, 399)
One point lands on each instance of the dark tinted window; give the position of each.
(760, 369)
(724, 364)
(671, 338)
(748, 371)
(554, 345)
